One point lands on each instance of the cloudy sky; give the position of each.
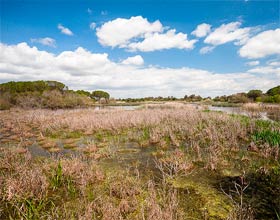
(137, 48)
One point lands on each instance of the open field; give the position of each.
(171, 161)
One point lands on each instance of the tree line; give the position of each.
(53, 94)
(270, 96)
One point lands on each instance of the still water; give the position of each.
(274, 116)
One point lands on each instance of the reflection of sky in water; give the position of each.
(237, 110)
(230, 110)
(124, 107)
(36, 150)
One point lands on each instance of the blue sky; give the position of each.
(241, 37)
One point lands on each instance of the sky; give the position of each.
(139, 48)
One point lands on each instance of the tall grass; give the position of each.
(208, 134)
(186, 139)
(32, 189)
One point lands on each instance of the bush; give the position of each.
(238, 98)
(271, 99)
(55, 99)
(41, 94)
(4, 104)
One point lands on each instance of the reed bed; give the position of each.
(92, 120)
(206, 133)
(89, 120)
(75, 188)
(261, 107)
(188, 142)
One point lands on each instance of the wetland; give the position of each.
(165, 161)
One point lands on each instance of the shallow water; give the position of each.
(132, 157)
(275, 116)
(123, 155)
(123, 107)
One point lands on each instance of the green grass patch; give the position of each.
(225, 104)
(267, 136)
(57, 177)
(63, 134)
(263, 124)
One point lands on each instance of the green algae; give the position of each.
(231, 172)
(201, 200)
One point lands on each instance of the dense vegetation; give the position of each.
(163, 162)
(191, 98)
(52, 94)
(271, 96)
(45, 94)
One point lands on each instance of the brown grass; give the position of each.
(208, 134)
(185, 138)
(27, 191)
(22, 180)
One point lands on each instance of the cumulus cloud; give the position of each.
(64, 30)
(263, 44)
(207, 49)
(160, 41)
(137, 33)
(47, 41)
(92, 25)
(136, 60)
(82, 69)
(120, 31)
(230, 32)
(253, 63)
(202, 30)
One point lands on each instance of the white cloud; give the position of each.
(82, 69)
(92, 25)
(159, 41)
(137, 33)
(230, 32)
(202, 30)
(64, 30)
(136, 60)
(47, 41)
(207, 49)
(253, 63)
(264, 44)
(82, 62)
(120, 31)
